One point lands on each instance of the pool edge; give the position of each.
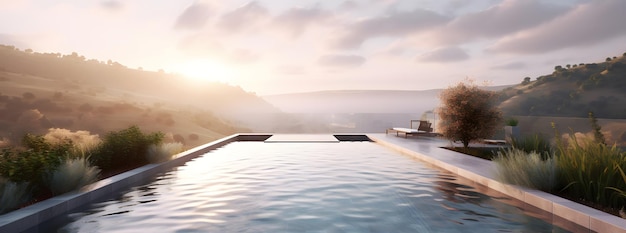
(590, 218)
(29, 218)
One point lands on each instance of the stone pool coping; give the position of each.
(475, 169)
(482, 172)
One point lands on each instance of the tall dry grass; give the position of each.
(84, 143)
(163, 152)
(528, 169)
(592, 171)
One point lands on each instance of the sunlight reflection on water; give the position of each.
(313, 187)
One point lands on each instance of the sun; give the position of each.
(206, 70)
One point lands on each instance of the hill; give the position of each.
(565, 98)
(572, 91)
(43, 90)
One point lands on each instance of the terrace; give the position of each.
(564, 213)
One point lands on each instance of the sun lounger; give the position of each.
(423, 128)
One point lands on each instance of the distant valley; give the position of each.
(43, 90)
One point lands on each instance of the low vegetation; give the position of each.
(13, 195)
(63, 161)
(124, 149)
(71, 175)
(579, 167)
(163, 152)
(527, 169)
(533, 144)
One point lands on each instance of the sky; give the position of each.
(286, 46)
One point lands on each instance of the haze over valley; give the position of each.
(200, 70)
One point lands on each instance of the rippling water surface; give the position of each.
(305, 187)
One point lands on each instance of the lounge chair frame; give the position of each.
(423, 128)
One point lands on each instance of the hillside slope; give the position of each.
(572, 91)
(39, 91)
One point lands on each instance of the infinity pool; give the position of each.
(306, 187)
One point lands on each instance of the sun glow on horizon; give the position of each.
(206, 70)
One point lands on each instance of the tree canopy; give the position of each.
(468, 113)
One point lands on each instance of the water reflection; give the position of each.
(295, 187)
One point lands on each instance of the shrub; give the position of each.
(468, 113)
(536, 143)
(163, 152)
(511, 122)
(124, 149)
(31, 163)
(13, 195)
(71, 175)
(526, 169)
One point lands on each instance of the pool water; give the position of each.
(306, 187)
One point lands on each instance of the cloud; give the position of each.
(194, 17)
(348, 5)
(587, 24)
(444, 55)
(243, 17)
(341, 60)
(510, 66)
(394, 24)
(507, 17)
(112, 5)
(297, 20)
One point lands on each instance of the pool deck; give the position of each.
(427, 149)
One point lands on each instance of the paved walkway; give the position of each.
(430, 150)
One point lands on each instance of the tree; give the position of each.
(468, 113)
(526, 81)
(568, 66)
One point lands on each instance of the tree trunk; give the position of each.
(465, 144)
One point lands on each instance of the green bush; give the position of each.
(518, 167)
(592, 171)
(71, 175)
(511, 122)
(163, 152)
(13, 195)
(38, 143)
(29, 165)
(535, 143)
(124, 149)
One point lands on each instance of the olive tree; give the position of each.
(468, 113)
